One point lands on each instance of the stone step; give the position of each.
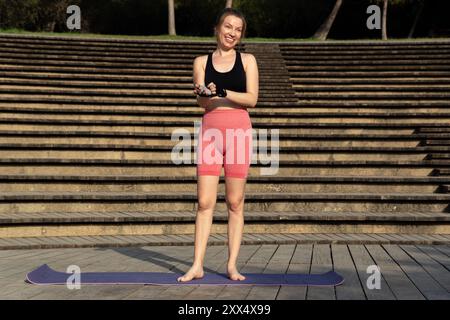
(406, 103)
(185, 61)
(161, 135)
(413, 71)
(257, 119)
(171, 183)
(437, 142)
(446, 188)
(290, 111)
(9, 50)
(372, 95)
(117, 82)
(262, 111)
(111, 43)
(219, 216)
(354, 74)
(439, 155)
(328, 56)
(191, 147)
(264, 87)
(41, 151)
(162, 69)
(172, 223)
(281, 143)
(402, 131)
(15, 202)
(221, 239)
(443, 172)
(187, 80)
(357, 63)
(178, 93)
(345, 69)
(347, 80)
(92, 166)
(170, 125)
(371, 88)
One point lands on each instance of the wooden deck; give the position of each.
(407, 271)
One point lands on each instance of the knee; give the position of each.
(235, 204)
(205, 204)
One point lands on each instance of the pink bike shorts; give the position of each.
(225, 140)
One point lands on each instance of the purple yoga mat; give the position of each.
(44, 275)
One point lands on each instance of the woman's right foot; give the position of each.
(193, 273)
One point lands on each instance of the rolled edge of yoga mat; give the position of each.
(44, 275)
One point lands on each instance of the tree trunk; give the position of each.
(171, 6)
(383, 28)
(416, 18)
(324, 29)
(229, 4)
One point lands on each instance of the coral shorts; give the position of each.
(225, 140)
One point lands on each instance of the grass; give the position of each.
(77, 34)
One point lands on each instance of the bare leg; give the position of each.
(235, 188)
(207, 195)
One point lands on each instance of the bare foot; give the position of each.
(233, 274)
(193, 273)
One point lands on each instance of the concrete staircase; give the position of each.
(85, 142)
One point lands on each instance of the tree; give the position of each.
(383, 21)
(229, 4)
(324, 29)
(171, 7)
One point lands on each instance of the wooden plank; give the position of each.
(436, 254)
(213, 264)
(434, 269)
(267, 292)
(427, 285)
(278, 264)
(402, 287)
(362, 261)
(300, 263)
(321, 262)
(18, 289)
(343, 264)
(244, 265)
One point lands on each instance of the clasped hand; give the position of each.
(202, 91)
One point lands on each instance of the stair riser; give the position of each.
(163, 155)
(256, 120)
(269, 205)
(166, 142)
(191, 170)
(169, 129)
(159, 186)
(219, 227)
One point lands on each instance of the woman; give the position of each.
(232, 79)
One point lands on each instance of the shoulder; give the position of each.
(201, 61)
(248, 59)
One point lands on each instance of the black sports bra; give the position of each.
(234, 80)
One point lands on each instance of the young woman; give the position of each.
(232, 79)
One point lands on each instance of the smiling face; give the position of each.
(230, 31)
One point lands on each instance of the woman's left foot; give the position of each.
(234, 275)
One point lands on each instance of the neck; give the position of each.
(223, 52)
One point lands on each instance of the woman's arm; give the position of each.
(249, 98)
(199, 77)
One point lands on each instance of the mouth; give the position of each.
(229, 39)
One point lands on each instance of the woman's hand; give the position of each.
(208, 91)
